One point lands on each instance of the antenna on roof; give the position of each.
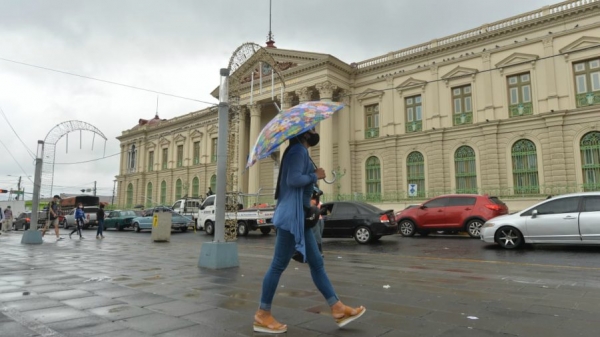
(270, 36)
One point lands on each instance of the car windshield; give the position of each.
(128, 213)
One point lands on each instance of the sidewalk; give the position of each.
(127, 286)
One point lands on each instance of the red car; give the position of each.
(455, 212)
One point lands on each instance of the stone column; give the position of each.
(244, 146)
(344, 136)
(254, 173)
(489, 161)
(326, 132)
(123, 168)
(554, 160)
(488, 101)
(287, 103)
(550, 74)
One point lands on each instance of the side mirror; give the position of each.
(202, 207)
(423, 207)
(534, 213)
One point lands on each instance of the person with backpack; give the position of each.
(79, 219)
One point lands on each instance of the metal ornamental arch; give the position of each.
(53, 136)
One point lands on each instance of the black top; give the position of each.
(100, 214)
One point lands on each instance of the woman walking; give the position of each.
(79, 218)
(295, 184)
(100, 218)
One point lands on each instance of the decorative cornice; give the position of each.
(411, 83)
(516, 59)
(370, 93)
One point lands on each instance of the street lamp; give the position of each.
(219, 253)
(33, 236)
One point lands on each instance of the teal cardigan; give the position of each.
(297, 182)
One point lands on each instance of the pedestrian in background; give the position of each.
(8, 218)
(100, 218)
(210, 192)
(318, 228)
(2, 220)
(52, 217)
(79, 219)
(295, 182)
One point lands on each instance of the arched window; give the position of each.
(373, 178)
(524, 167)
(163, 193)
(213, 183)
(129, 202)
(195, 187)
(590, 160)
(465, 170)
(415, 171)
(149, 196)
(178, 187)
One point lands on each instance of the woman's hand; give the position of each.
(320, 173)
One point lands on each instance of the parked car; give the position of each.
(119, 220)
(178, 221)
(398, 214)
(22, 221)
(365, 222)
(90, 215)
(565, 219)
(455, 212)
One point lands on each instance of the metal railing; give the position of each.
(501, 192)
(544, 11)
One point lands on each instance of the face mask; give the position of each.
(313, 139)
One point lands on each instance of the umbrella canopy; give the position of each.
(288, 124)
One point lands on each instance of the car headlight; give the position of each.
(488, 225)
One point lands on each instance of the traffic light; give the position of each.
(3, 191)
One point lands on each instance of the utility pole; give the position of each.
(19, 189)
(94, 188)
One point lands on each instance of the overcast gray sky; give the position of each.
(175, 47)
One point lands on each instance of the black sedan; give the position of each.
(22, 221)
(364, 222)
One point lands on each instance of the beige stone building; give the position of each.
(511, 108)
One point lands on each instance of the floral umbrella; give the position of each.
(288, 124)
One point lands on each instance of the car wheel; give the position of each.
(209, 227)
(136, 226)
(474, 227)
(362, 235)
(65, 224)
(265, 230)
(242, 228)
(183, 229)
(407, 228)
(509, 238)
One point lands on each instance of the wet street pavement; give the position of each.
(126, 285)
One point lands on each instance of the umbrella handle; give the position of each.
(333, 180)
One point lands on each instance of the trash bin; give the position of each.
(161, 227)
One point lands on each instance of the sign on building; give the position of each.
(412, 190)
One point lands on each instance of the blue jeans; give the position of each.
(100, 227)
(284, 249)
(318, 231)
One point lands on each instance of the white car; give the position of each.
(565, 219)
